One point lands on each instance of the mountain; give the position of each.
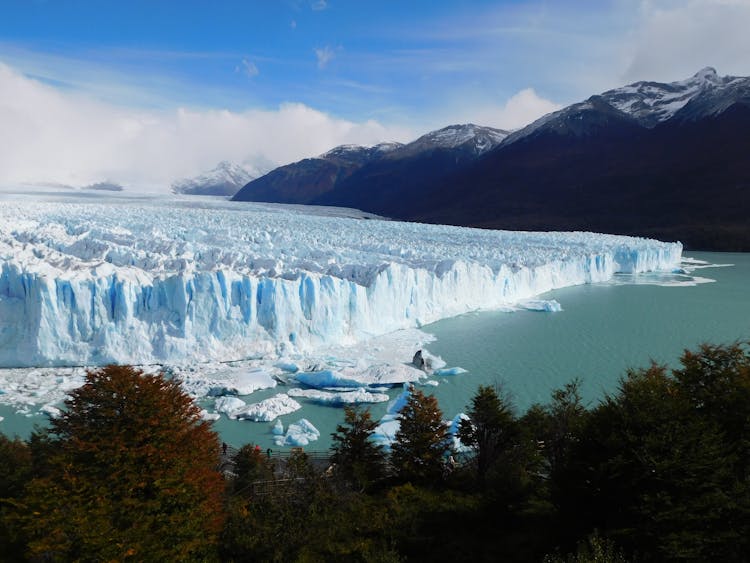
(225, 180)
(664, 160)
(661, 160)
(104, 186)
(373, 177)
(308, 179)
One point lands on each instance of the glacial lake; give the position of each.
(602, 331)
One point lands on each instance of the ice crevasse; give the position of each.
(89, 284)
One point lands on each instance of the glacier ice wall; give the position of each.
(89, 284)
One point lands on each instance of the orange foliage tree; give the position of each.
(129, 472)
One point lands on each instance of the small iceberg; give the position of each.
(299, 433)
(268, 409)
(544, 305)
(339, 398)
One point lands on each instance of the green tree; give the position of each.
(491, 430)
(15, 473)
(422, 443)
(128, 473)
(250, 465)
(357, 458)
(658, 476)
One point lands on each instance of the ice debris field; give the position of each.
(235, 298)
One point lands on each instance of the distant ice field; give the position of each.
(248, 295)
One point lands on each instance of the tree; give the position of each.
(129, 473)
(250, 465)
(491, 429)
(422, 443)
(356, 457)
(15, 473)
(658, 474)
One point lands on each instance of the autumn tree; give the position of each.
(129, 473)
(422, 443)
(357, 458)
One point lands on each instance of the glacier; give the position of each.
(171, 282)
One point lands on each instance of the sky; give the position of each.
(143, 92)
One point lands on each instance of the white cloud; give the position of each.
(520, 109)
(324, 56)
(249, 68)
(676, 39)
(319, 5)
(53, 135)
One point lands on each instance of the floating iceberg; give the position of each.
(449, 371)
(268, 409)
(163, 282)
(299, 433)
(240, 382)
(326, 378)
(386, 430)
(545, 305)
(229, 406)
(338, 398)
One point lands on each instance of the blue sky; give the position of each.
(349, 71)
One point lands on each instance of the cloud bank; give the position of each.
(61, 136)
(676, 39)
(64, 136)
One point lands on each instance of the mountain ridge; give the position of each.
(665, 160)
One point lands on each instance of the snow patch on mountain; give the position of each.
(479, 139)
(651, 103)
(226, 179)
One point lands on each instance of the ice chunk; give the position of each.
(51, 411)
(385, 433)
(339, 398)
(229, 406)
(299, 433)
(546, 305)
(240, 382)
(288, 367)
(325, 378)
(278, 428)
(431, 383)
(209, 416)
(268, 409)
(449, 371)
(453, 427)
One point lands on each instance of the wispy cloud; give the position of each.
(324, 56)
(248, 68)
(319, 5)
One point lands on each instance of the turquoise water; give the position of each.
(602, 331)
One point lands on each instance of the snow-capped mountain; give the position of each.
(225, 179)
(647, 103)
(474, 138)
(667, 160)
(346, 174)
(307, 179)
(359, 153)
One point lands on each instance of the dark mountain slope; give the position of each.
(372, 177)
(684, 179)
